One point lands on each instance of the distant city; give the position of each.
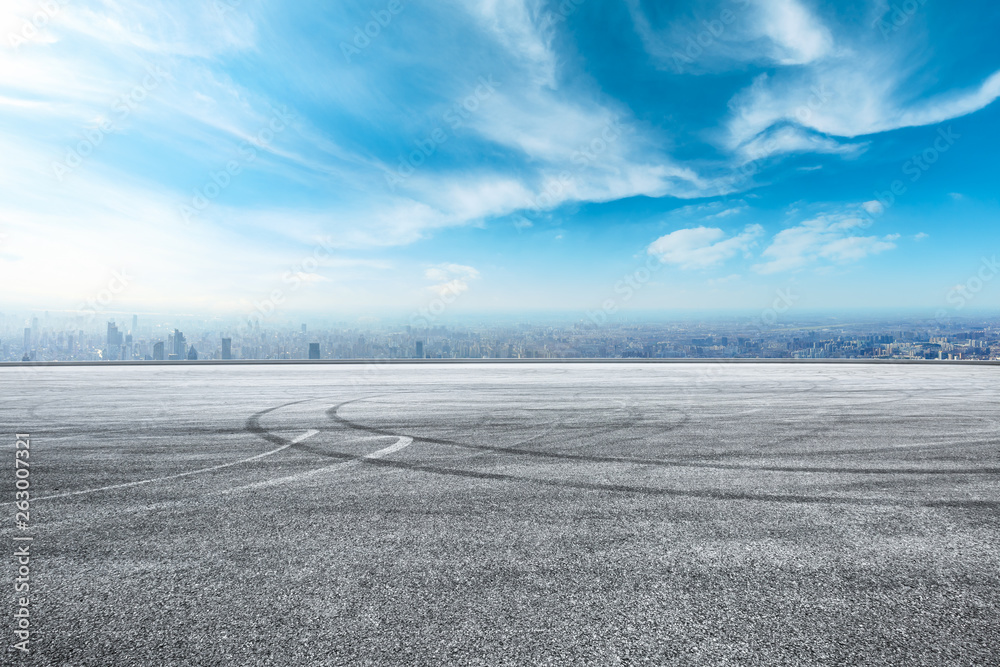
(141, 338)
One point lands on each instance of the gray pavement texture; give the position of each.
(606, 514)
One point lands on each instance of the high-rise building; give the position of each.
(313, 350)
(135, 323)
(27, 338)
(303, 328)
(192, 354)
(115, 337)
(179, 344)
(420, 349)
(227, 348)
(115, 340)
(158, 351)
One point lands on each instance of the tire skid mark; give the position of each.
(282, 442)
(186, 503)
(253, 422)
(977, 442)
(401, 443)
(622, 488)
(335, 415)
(125, 485)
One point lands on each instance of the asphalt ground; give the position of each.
(606, 514)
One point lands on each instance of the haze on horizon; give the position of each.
(508, 156)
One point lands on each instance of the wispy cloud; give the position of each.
(797, 36)
(497, 111)
(450, 279)
(828, 237)
(703, 247)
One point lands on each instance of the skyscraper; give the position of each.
(158, 351)
(135, 324)
(179, 344)
(27, 338)
(114, 336)
(114, 343)
(420, 349)
(227, 348)
(314, 350)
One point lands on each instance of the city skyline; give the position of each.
(769, 335)
(245, 155)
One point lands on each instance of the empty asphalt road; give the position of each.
(472, 514)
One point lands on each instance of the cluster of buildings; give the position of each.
(48, 341)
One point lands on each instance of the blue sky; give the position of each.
(236, 156)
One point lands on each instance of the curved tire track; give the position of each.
(333, 413)
(591, 486)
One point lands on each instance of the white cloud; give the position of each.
(450, 279)
(727, 279)
(725, 213)
(710, 210)
(854, 248)
(947, 106)
(514, 23)
(797, 36)
(820, 90)
(720, 34)
(791, 139)
(857, 92)
(828, 237)
(874, 207)
(582, 146)
(310, 277)
(702, 247)
(920, 236)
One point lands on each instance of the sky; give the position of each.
(255, 157)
